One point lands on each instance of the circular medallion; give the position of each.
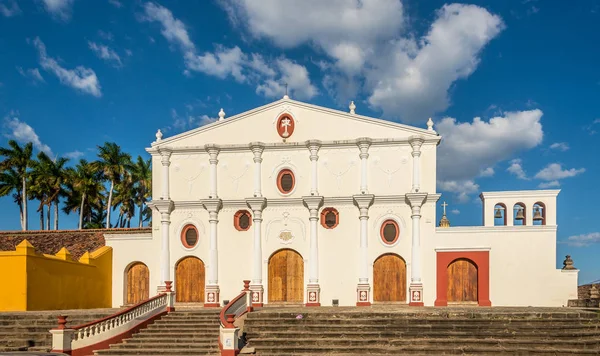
(285, 125)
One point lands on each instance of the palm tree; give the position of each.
(10, 182)
(82, 186)
(97, 217)
(112, 164)
(141, 171)
(18, 159)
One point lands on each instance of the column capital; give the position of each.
(415, 200)
(416, 142)
(363, 201)
(313, 202)
(213, 150)
(165, 156)
(212, 205)
(163, 206)
(256, 204)
(257, 149)
(364, 143)
(313, 146)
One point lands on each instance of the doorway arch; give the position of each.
(286, 277)
(462, 281)
(189, 280)
(389, 279)
(137, 283)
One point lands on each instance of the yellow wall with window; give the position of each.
(34, 281)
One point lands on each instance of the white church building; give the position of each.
(318, 207)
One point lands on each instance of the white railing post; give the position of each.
(62, 337)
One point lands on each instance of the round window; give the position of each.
(330, 218)
(189, 236)
(390, 232)
(242, 220)
(286, 181)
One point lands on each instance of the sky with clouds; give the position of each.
(512, 86)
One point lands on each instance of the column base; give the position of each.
(211, 296)
(313, 294)
(257, 293)
(363, 295)
(415, 291)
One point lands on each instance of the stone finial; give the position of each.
(444, 222)
(352, 107)
(568, 263)
(429, 125)
(221, 115)
(594, 293)
(159, 135)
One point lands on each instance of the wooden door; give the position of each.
(138, 283)
(462, 281)
(286, 277)
(189, 280)
(389, 279)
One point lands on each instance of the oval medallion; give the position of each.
(285, 125)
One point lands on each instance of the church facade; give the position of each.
(323, 207)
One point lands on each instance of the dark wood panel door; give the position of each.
(286, 277)
(189, 280)
(389, 279)
(462, 281)
(138, 283)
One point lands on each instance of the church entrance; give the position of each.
(138, 283)
(286, 277)
(389, 279)
(189, 280)
(462, 281)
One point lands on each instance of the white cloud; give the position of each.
(516, 168)
(172, 29)
(23, 133)
(591, 128)
(551, 184)
(260, 66)
(222, 63)
(9, 8)
(488, 172)
(105, 35)
(188, 121)
(81, 78)
(292, 74)
(469, 147)
(116, 3)
(462, 188)
(583, 239)
(560, 146)
(59, 9)
(32, 73)
(455, 211)
(74, 155)
(554, 171)
(106, 53)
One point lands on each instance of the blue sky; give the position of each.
(513, 86)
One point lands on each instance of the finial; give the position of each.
(159, 136)
(568, 263)
(444, 205)
(221, 115)
(352, 107)
(429, 125)
(444, 222)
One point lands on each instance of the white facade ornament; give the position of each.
(221, 115)
(352, 107)
(159, 136)
(429, 125)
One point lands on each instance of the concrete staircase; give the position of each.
(423, 331)
(183, 332)
(28, 331)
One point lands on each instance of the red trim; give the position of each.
(236, 220)
(290, 129)
(170, 309)
(481, 259)
(184, 231)
(385, 223)
(280, 174)
(212, 305)
(313, 304)
(324, 213)
(363, 304)
(257, 305)
(416, 304)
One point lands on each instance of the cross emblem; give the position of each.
(444, 205)
(285, 123)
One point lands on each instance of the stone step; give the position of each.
(182, 327)
(143, 337)
(186, 322)
(158, 345)
(162, 351)
(250, 327)
(429, 321)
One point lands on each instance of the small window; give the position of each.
(189, 236)
(390, 232)
(285, 181)
(330, 218)
(242, 220)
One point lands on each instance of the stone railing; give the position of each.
(83, 339)
(229, 332)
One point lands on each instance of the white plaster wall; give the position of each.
(188, 176)
(339, 171)
(390, 170)
(273, 162)
(235, 175)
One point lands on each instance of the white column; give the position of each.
(313, 146)
(415, 289)
(213, 151)
(364, 144)
(257, 206)
(165, 254)
(363, 290)
(257, 149)
(165, 156)
(416, 142)
(212, 288)
(313, 203)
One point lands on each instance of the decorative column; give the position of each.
(257, 149)
(363, 144)
(313, 291)
(313, 146)
(164, 207)
(257, 205)
(212, 287)
(213, 152)
(363, 290)
(165, 159)
(415, 290)
(416, 142)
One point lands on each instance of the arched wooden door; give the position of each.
(138, 283)
(389, 279)
(462, 281)
(286, 277)
(189, 280)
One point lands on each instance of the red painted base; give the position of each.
(416, 304)
(485, 303)
(313, 304)
(212, 305)
(363, 304)
(169, 309)
(257, 305)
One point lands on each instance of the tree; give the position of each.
(49, 177)
(82, 189)
(124, 199)
(10, 182)
(18, 159)
(141, 171)
(112, 163)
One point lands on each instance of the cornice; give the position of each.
(480, 229)
(520, 194)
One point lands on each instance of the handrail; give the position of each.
(235, 305)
